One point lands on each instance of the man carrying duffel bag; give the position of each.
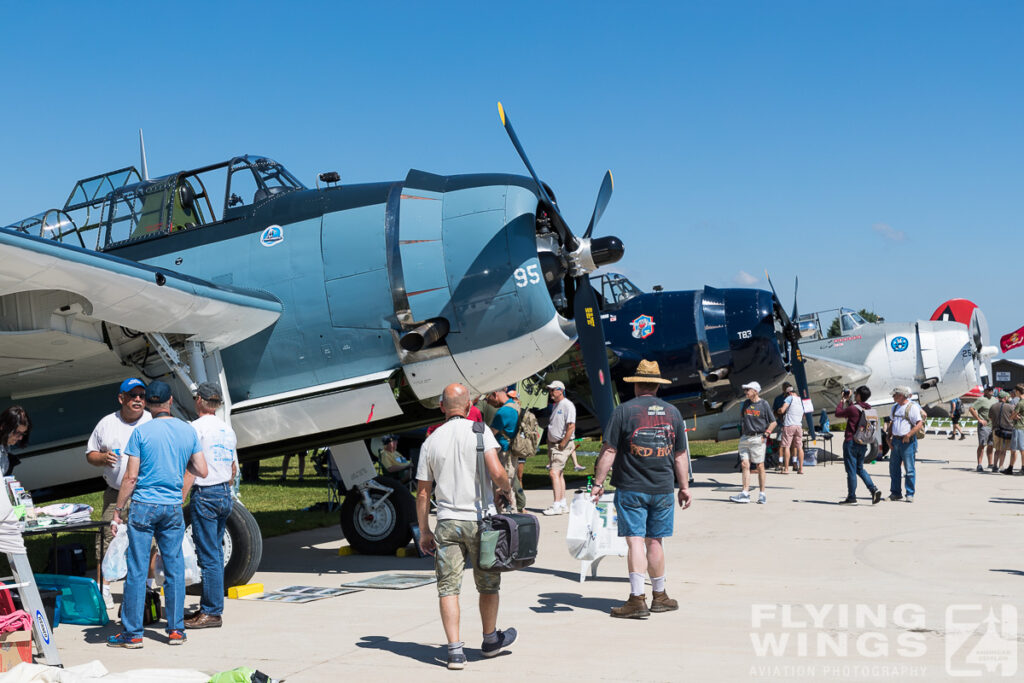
(448, 463)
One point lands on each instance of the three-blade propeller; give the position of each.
(791, 334)
(585, 256)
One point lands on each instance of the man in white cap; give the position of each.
(756, 425)
(561, 428)
(904, 426)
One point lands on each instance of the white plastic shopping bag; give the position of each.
(115, 562)
(188, 553)
(580, 536)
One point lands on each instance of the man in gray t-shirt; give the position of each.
(756, 424)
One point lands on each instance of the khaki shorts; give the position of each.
(458, 540)
(559, 456)
(1001, 444)
(791, 434)
(109, 503)
(752, 448)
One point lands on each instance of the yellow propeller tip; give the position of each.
(501, 113)
(611, 178)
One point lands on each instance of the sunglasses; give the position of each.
(141, 395)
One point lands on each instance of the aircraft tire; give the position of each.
(386, 532)
(243, 547)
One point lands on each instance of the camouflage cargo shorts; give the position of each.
(458, 540)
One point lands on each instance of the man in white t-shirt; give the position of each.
(561, 429)
(212, 503)
(792, 413)
(104, 450)
(449, 464)
(905, 423)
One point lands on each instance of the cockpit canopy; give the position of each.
(121, 207)
(615, 288)
(842, 321)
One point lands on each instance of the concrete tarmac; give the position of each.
(798, 589)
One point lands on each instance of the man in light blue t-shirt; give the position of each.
(158, 454)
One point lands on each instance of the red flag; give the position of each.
(1012, 340)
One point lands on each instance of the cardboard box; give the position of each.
(15, 648)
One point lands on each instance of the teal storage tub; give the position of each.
(80, 599)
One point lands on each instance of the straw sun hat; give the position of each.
(649, 372)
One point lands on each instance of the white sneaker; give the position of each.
(761, 498)
(564, 508)
(559, 508)
(108, 599)
(741, 497)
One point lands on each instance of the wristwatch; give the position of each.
(118, 510)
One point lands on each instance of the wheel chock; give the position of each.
(346, 550)
(406, 552)
(236, 592)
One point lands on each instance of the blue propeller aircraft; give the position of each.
(327, 314)
(710, 342)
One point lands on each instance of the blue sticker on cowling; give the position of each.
(899, 344)
(274, 234)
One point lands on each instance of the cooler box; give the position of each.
(15, 648)
(80, 599)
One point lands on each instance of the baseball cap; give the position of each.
(130, 384)
(557, 385)
(756, 386)
(208, 391)
(158, 392)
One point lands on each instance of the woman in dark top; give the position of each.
(14, 430)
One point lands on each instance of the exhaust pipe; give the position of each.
(425, 335)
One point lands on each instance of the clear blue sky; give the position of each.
(841, 141)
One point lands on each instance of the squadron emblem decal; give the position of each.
(643, 326)
(274, 234)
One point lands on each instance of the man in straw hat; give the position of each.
(645, 440)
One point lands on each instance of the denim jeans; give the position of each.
(903, 454)
(853, 459)
(211, 507)
(167, 525)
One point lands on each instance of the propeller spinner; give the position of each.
(575, 259)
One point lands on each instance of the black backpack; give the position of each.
(507, 542)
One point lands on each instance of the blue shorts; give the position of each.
(647, 515)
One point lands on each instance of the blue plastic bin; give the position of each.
(80, 599)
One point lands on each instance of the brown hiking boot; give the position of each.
(660, 602)
(634, 608)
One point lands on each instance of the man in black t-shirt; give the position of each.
(646, 441)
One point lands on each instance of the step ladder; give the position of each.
(25, 583)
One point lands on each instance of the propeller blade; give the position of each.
(796, 286)
(800, 375)
(595, 354)
(568, 239)
(603, 195)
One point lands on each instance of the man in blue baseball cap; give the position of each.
(158, 453)
(104, 450)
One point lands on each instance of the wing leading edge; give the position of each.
(120, 292)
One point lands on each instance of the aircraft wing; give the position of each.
(54, 299)
(829, 373)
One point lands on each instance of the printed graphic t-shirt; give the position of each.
(218, 442)
(647, 433)
(756, 417)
